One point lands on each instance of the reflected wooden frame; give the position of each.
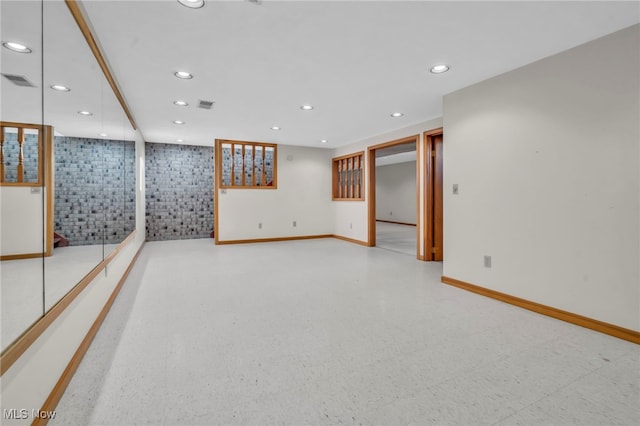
(42, 141)
(45, 179)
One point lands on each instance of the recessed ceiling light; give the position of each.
(323, 141)
(397, 114)
(16, 47)
(60, 88)
(103, 134)
(183, 74)
(306, 107)
(193, 4)
(180, 103)
(275, 128)
(178, 122)
(179, 140)
(87, 113)
(439, 69)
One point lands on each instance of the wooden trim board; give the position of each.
(593, 324)
(351, 240)
(22, 256)
(85, 29)
(217, 152)
(303, 237)
(396, 223)
(48, 171)
(371, 198)
(58, 390)
(276, 239)
(419, 149)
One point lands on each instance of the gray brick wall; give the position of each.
(179, 191)
(94, 189)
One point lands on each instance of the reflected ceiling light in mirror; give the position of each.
(87, 113)
(102, 134)
(178, 122)
(439, 69)
(306, 107)
(183, 75)
(180, 103)
(192, 4)
(397, 114)
(60, 88)
(16, 47)
(275, 128)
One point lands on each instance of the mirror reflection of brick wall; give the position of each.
(179, 191)
(29, 153)
(94, 189)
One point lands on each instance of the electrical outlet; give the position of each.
(259, 225)
(390, 213)
(294, 223)
(487, 261)
(455, 189)
(351, 226)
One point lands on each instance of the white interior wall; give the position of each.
(351, 217)
(22, 220)
(303, 195)
(396, 192)
(29, 381)
(546, 158)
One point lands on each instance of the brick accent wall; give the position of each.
(179, 191)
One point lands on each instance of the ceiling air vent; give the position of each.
(18, 80)
(205, 104)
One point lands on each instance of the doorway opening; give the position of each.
(433, 210)
(393, 202)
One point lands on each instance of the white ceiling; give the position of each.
(356, 62)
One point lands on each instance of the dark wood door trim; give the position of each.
(433, 213)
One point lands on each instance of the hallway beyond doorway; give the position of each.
(396, 237)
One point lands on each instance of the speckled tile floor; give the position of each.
(323, 332)
(396, 237)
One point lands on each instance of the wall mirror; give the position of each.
(62, 124)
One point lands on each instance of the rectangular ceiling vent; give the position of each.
(205, 104)
(18, 80)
